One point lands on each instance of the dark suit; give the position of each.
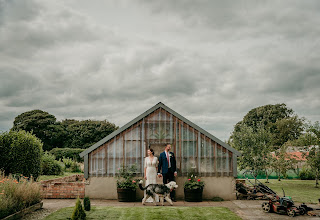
(167, 172)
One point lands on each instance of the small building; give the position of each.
(194, 148)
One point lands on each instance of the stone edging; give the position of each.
(20, 214)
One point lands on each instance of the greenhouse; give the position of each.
(194, 148)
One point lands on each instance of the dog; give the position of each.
(162, 190)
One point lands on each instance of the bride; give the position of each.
(150, 170)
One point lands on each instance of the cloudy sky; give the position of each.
(211, 61)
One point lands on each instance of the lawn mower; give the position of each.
(284, 205)
(255, 191)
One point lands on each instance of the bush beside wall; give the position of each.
(20, 153)
(49, 166)
(72, 153)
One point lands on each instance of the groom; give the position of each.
(167, 162)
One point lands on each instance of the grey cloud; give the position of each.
(15, 82)
(210, 61)
(16, 10)
(243, 19)
(37, 27)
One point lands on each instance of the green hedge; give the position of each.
(72, 153)
(20, 153)
(49, 166)
(307, 174)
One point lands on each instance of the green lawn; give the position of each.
(50, 177)
(135, 213)
(299, 190)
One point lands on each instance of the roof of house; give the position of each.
(298, 155)
(146, 113)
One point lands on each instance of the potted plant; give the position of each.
(126, 185)
(193, 188)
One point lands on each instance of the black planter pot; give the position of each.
(193, 195)
(126, 195)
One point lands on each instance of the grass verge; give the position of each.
(299, 190)
(170, 213)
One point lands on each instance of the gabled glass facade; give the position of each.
(193, 149)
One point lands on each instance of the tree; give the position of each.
(313, 160)
(254, 145)
(267, 165)
(315, 129)
(42, 125)
(68, 133)
(282, 162)
(287, 129)
(267, 115)
(306, 139)
(83, 134)
(277, 119)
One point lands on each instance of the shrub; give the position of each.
(17, 194)
(86, 203)
(72, 153)
(75, 167)
(49, 166)
(78, 212)
(67, 162)
(306, 174)
(20, 153)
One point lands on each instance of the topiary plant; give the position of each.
(78, 212)
(20, 153)
(86, 203)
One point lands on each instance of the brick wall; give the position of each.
(64, 188)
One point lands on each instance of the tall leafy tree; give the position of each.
(310, 137)
(255, 146)
(315, 129)
(287, 129)
(283, 162)
(278, 119)
(42, 125)
(313, 156)
(267, 115)
(313, 160)
(83, 134)
(68, 133)
(267, 165)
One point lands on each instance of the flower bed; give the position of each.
(17, 193)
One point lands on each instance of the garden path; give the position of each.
(246, 209)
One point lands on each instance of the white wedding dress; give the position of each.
(151, 173)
